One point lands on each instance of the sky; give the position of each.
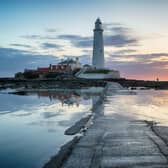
(36, 33)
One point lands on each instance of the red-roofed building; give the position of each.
(66, 66)
(43, 69)
(59, 68)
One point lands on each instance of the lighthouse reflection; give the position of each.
(66, 97)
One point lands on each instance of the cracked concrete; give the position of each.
(118, 143)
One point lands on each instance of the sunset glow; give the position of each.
(135, 34)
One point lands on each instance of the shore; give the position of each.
(113, 143)
(78, 83)
(50, 83)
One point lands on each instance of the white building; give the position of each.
(92, 74)
(74, 64)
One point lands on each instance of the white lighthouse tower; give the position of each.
(97, 70)
(98, 46)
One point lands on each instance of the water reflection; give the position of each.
(69, 98)
(33, 124)
(65, 97)
(145, 105)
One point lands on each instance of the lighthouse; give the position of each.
(97, 70)
(98, 46)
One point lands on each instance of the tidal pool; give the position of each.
(32, 126)
(151, 105)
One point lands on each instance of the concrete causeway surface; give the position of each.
(118, 143)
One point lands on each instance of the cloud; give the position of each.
(21, 45)
(119, 40)
(50, 46)
(115, 35)
(77, 40)
(84, 43)
(31, 36)
(85, 59)
(130, 65)
(140, 58)
(14, 60)
(108, 26)
(118, 36)
(117, 28)
(70, 37)
(140, 66)
(124, 51)
(121, 30)
(144, 71)
(51, 30)
(40, 37)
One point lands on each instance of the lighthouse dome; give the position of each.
(98, 24)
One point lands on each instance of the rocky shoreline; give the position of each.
(78, 83)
